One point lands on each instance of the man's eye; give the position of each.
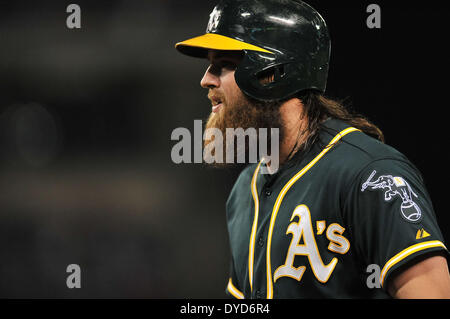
(228, 65)
(218, 67)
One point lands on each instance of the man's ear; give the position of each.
(266, 77)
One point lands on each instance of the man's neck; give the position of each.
(295, 125)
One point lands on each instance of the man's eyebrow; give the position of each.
(226, 54)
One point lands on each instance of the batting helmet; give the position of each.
(287, 39)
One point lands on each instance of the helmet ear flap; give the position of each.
(274, 78)
(271, 74)
(265, 81)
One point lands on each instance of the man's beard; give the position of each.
(245, 113)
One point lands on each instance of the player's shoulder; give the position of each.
(242, 185)
(358, 148)
(246, 175)
(356, 152)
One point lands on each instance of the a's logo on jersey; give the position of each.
(303, 243)
(396, 186)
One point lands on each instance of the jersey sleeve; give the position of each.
(391, 217)
(232, 288)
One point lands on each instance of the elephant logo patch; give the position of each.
(396, 186)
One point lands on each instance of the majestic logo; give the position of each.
(396, 186)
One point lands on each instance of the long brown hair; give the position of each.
(318, 108)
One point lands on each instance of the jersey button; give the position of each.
(267, 192)
(258, 295)
(261, 241)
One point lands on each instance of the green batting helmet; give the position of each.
(285, 38)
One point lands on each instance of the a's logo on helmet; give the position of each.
(214, 19)
(396, 186)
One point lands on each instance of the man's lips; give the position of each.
(216, 108)
(216, 103)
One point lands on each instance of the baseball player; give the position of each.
(345, 215)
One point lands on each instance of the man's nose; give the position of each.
(210, 80)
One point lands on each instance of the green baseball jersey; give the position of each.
(333, 222)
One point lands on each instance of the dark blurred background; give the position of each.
(86, 117)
